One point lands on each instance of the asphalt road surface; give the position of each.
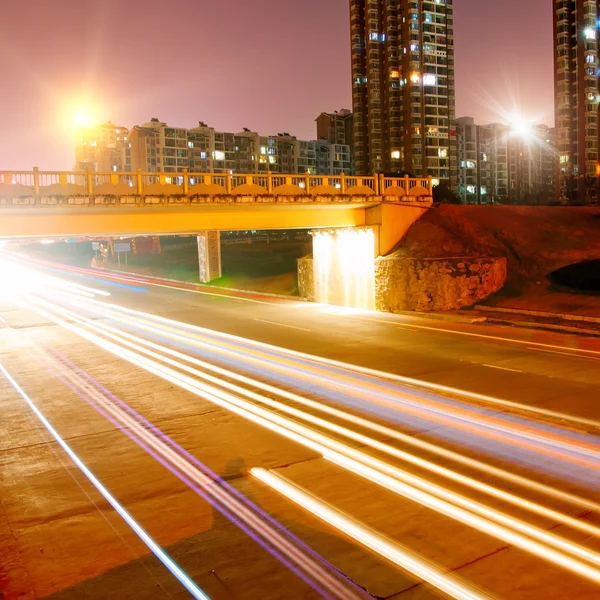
(165, 441)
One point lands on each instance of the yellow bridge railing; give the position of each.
(57, 187)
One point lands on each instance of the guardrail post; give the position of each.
(63, 179)
(114, 179)
(378, 184)
(406, 184)
(343, 182)
(228, 182)
(307, 184)
(207, 179)
(430, 185)
(186, 181)
(325, 181)
(36, 183)
(288, 180)
(89, 182)
(162, 179)
(249, 179)
(139, 180)
(269, 182)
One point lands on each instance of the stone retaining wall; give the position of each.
(306, 278)
(434, 284)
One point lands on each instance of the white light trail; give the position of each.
(473, 514)
(399, 556)
(178, 573)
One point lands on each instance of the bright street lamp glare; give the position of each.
(521, 127)
(81, 119)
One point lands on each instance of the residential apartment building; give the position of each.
(576, 98)
(157, 147)
(495, 164)
(403, 87)
(103, 148)
(336, 127)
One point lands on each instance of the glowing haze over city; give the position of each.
(269, 66)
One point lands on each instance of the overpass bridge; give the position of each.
(65, 204)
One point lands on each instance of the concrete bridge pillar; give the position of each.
(209, 255)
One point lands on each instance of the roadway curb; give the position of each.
(536, 313)
(547, 326)
(204, 285)
(434, 316)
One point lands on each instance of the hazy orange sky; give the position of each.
(270, 66)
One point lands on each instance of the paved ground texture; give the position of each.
(160, 442)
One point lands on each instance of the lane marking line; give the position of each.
(283, 325)
(502, 368)
(565, 354)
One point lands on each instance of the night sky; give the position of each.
(272, 66)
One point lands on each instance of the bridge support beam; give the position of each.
(209, 256)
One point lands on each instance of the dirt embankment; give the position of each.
(535, 240)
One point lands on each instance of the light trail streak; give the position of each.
(431, 409)
(138, 343)
(305, 563)
(414, 488)
(393, 552)
(364, 423)
(316, 360)
(164, 558)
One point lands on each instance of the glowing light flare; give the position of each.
(521, 127)
(357, 531)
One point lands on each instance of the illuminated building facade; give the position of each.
(336, 127)
(156, 147)
(103, 148)
(403, 87)
(498, 165)
(576, 99)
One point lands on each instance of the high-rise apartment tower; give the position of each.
(403, 87)
(576, 98)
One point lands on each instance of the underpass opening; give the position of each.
(583, 277)
(344, 267)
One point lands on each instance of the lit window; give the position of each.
(564, 159)
(218, 155)
(93, 144)
(483, 190)
(394, 74)
(272, 160)
(373, 36)
(484, 157)
(471, 189)
(203, 155)
(415, 78)
(429, 79)
(396, 154)
(589, 33)
(443, 152)
(190, 144)
(263, 149)
(435, 182)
